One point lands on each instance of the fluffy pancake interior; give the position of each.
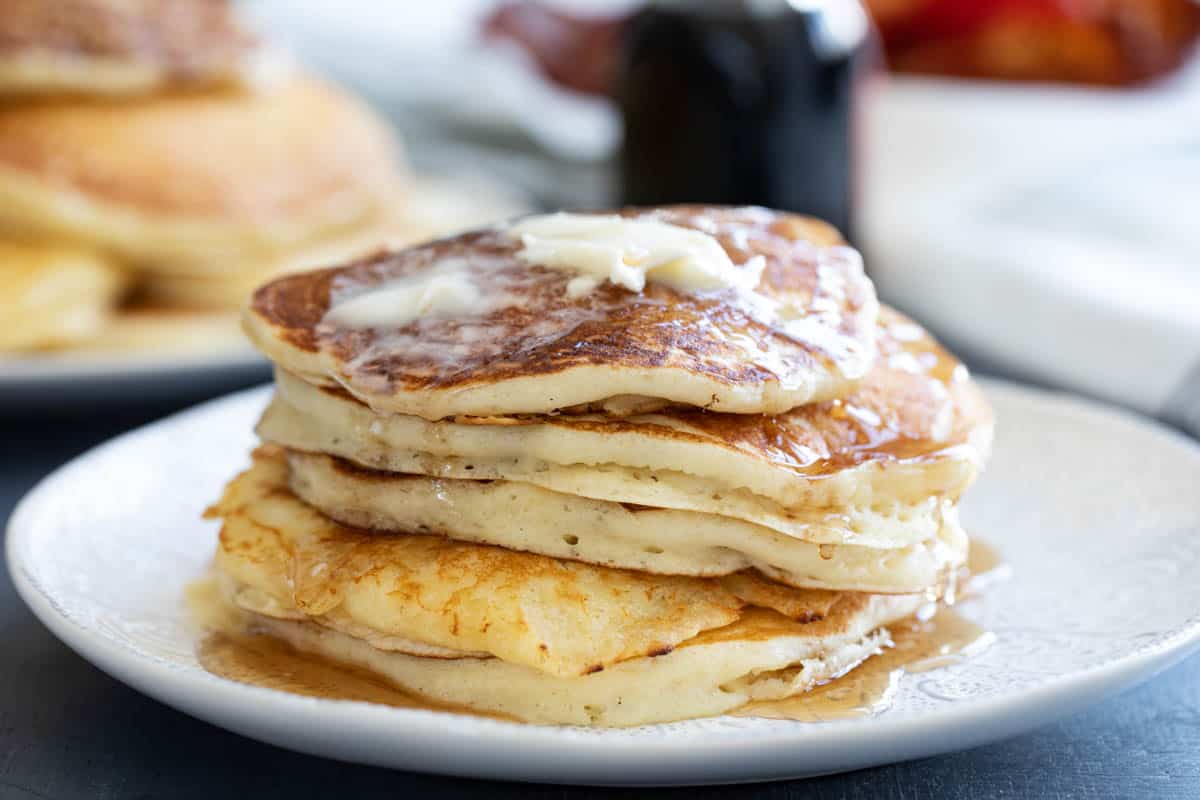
(522, 516)
(559, 617)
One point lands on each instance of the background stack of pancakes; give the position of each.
(607, 506)
(157, 162)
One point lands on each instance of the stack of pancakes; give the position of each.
(153, 170)
(508, 486)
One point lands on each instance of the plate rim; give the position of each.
(591, 751)
(19, 370)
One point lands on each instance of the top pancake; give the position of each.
(106, 47)
(195, 183)
(806, 332)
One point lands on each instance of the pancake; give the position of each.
(196, 183)
(521, 337)
(427, 208)
(763, 656)
(105, 47)
(561, 617)
(230, 292)
(521, 516)
(54, 295)
(918, 427)
(522, 634)
(159, 331)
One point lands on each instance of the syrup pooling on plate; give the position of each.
(937, 637)
(231, 648)
(813, 308)
(985, 566)
(918, 645)
(260, 660)
(271, 663)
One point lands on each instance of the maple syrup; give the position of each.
(945, 638)
(271, 663)
(744, 103)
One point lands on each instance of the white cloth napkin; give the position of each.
(1052, 232)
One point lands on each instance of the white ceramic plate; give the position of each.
(1097, 512)
(70, 381)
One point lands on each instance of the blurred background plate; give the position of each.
(72, 383)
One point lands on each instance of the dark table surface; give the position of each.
(69, 731)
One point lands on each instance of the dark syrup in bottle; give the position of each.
(744, 102)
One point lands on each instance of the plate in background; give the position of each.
(69, 382)
(1096, 511)
(211, 356)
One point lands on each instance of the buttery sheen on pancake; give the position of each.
(515, 633)
(107, 47)
(916, 428)
(196, 183)
(54, 295)
(522, 340)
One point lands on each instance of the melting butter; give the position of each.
(447, 289)
(628, 252)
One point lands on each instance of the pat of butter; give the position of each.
(628, 252)
(447, 290)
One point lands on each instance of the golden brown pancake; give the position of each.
(121, 46)
(521, 635)
(561, 617)
(54, 295)
(916, 427)
(196, 183)
(548, 349)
